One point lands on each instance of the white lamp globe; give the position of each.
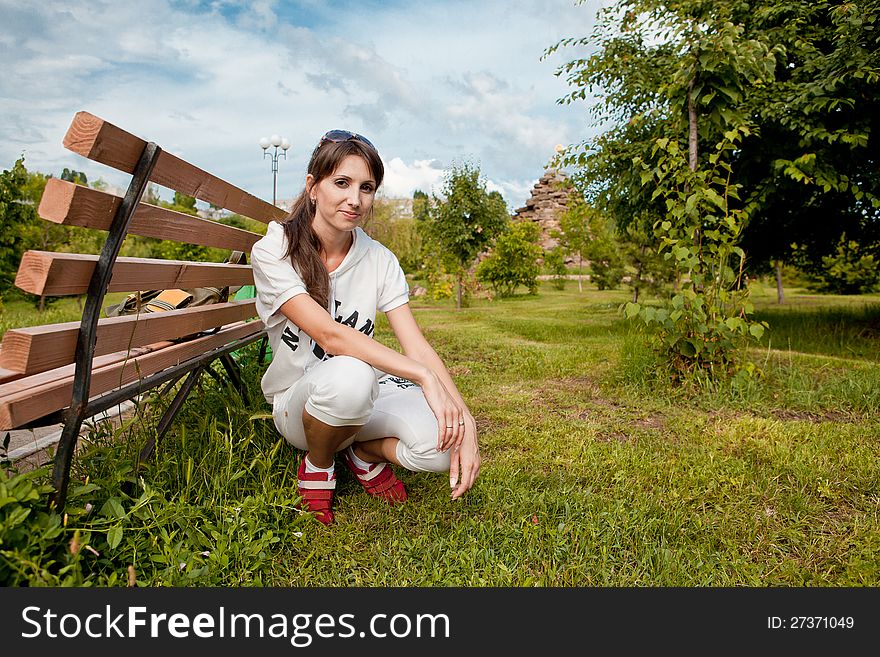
(285, 143)
(276, 140)
(264, 143)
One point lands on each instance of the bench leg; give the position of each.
(170, 413)
(63, 459)
(264, 343)
(235, 374)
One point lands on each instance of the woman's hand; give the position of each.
(465, 459)
(451, 425)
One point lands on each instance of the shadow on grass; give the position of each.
(848, 332)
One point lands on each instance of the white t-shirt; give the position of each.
(369, 279)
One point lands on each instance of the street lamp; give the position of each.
(276, 142)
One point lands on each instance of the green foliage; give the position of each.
(703, 325)
(183, 203)
(32, 546)
(513, 261)
(395, 227)
(554, 264)
(606, 268)
(574, 235)
(804, 74)
(77, 177)
(18, 220)
(639, 249)
(462, 224)
(587, 234)
(850, 269)
(214, 510)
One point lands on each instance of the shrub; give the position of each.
(554, 264)
(514, 260)
(849, 270)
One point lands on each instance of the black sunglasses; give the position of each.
(344, 135)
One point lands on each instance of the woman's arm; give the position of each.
(341, 340)
(466, 450)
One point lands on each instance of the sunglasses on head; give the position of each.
(343, 135)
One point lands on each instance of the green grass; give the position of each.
(596, 471)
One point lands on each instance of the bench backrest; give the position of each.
(37, 363)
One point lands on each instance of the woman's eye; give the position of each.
(367, 188)
(341, 183)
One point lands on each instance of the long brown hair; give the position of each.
(304, 247)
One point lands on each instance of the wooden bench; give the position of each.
(72, 371)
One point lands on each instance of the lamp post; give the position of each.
(276, 142)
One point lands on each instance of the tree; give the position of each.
(513, 261)
(392, 224)
(575, 235)
(802, 74)
(677, 72)
(639, 248)
(463, 223)
(554, 264)
(77, 177)
(183, 203)
(606, 268)
(17, 215)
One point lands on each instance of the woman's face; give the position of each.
(344, 198)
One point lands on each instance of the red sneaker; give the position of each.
(379, 481)
(316, 489)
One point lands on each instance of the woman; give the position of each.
(320, 280)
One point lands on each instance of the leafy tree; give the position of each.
(151, 195)
(802, 74)
(513, 261)
(463, 223)
(849, 269)
(184, 203)
(606, 268)
(678, 71)
(639, 249)
(575, 234)
(554, 264)
(17, 217)
(73, 176)
(394, 226)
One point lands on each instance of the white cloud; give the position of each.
(402, 179)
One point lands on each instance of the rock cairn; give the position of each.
(550, 198)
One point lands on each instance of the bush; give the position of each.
(554, 264)
(849, 270)
(514, 260)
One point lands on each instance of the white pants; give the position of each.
(344, 391)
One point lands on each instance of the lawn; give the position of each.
(596, 471)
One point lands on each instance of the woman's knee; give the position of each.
(345, 390)
(423, 456)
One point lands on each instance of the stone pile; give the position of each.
(549, 200)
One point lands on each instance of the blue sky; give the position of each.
(430, 83)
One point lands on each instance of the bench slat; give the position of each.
(39, 348)
(29, 402)
(66, 203)
(103, 142)
(60, 274)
